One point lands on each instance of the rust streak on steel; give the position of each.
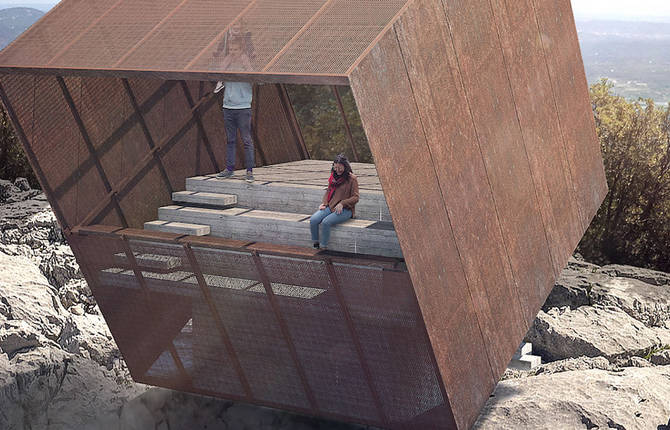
(147, 133)
(91, 149)
(295, 125)
(357, 342)
(220, 35)
(296, 36)
(198, 121)
(346, 122)
(285, 331)
(80, 35)
(204, 289)
(32, 158)
(134, 175)
(145, 290)
(254, 124)
(150, 33)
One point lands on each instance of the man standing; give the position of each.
(237, 109)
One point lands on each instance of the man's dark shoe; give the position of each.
(250, 177)
(225, 174)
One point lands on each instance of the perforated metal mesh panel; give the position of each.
(339, 336)
(309, 40)
(113, 150)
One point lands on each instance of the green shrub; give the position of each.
(633, 224)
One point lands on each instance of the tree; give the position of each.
(13, 163)
(633, 223)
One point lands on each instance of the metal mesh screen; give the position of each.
(339, 338)
(267, 27)
(113, 150)
(337, 37)
(191, 26)
(55, 32)
(309, 40)
(114, 33)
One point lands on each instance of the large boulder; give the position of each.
(648, 276)
(590, 331)
(633, 398)
(27, 296)
(638, 292)
(647, 303)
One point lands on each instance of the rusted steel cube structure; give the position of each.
(478, 118)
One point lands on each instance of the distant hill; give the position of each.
(14, 21)
(635, 55)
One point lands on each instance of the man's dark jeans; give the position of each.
(235, 119)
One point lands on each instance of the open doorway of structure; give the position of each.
(276, 206)
(329, 122)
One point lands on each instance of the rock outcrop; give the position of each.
(604, 333)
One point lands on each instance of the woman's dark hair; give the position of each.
(342, 159)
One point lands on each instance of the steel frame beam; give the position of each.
(32, 159)
(147, 133)
(204, 289)
(346, 121)
(145, 290)
(91, 150)
(357, 343)
(285, 331)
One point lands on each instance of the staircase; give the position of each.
(276, 211)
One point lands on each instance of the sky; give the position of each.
(639, 10)
(623, 9)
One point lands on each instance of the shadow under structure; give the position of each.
(487, 172)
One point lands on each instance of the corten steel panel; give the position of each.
(382, 90)
(336, 38)
(461, 172)
(60, 26)
(116, 133)
(143, 325)
(499, 137)
(311, 41)
(267, 25)
(538, 118)
(185, 31)
(564, 60)
(352, 328)
(114, 34)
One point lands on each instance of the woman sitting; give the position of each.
(338, 202)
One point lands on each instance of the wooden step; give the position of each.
(204, 198)
(286, 197)
(178, 227)
(355, 235)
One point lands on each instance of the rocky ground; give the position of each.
(604, 335)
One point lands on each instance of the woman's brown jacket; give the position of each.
(346, 193)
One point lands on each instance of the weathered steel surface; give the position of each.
(452, 144)
(95, 150)
(349, 332)
(476, 112)
(570, 91)
(499, 137)
(411, 186)
(544, 147)
(312, 41)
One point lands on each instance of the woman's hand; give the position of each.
(322, 207)
(338, 208)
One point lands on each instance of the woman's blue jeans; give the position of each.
(327, 219)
